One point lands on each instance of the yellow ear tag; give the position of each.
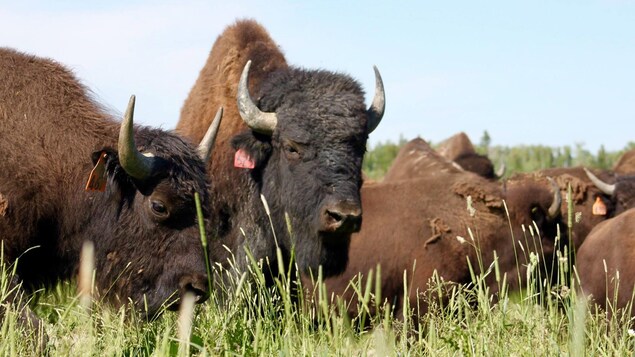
(97, 179)
(599, 208)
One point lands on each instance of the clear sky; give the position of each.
(533, 72)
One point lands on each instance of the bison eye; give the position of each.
(291, 152)
(159, 208)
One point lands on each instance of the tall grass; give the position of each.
(253, 318)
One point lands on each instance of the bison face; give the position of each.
(619, 196)
(536, 204)
(150, 250)
(309, 167)
(153, 254)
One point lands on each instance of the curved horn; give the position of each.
(132, 161)
(376, 110)
(258, 121)
(205, 147)
(601, 185)
(501, 170)
(554, 209)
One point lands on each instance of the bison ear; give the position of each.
(257, 146)
(110, 152)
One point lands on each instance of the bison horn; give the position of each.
(376, 110)
(601, 185)
(501, 170)
(554, 209)
(258, 121)
(205, 147)
(136, 164)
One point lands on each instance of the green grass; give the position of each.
(251, 319)
(254, 320)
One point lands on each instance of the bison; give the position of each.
(408, 163)
(606, 264)
(592, 198)
(139, 212)
(421, 226)
(287, 168)
(626, 163)
(417, 159)
(459, 149)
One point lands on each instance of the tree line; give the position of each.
(521, 158)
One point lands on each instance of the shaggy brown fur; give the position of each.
(421, 226)
(417, 159)
(455, 146)
(459, 148)
(52, 133)
(584, 195)
(626, 163)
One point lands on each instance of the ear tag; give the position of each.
(243, 160)
(599, 208)
(97, 179)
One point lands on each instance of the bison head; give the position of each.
(618, 196)
(307, 140)
(536, 222)
(150, 250)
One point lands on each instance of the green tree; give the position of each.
(486, 141)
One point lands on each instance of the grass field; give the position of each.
(254, 320)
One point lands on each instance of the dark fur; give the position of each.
(52, 133)
(478, 164)
(313, 157)
(459, 149)
(584, 195)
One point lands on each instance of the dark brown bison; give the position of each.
(421, 226)
(626, 163)
(593, 198)
(459, 149)
(298, 144)
(606, 263)
(143, 225)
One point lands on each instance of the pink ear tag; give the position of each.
(243, 160)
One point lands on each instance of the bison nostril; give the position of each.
(342, 218)
(335, 216)
(196, 286)
(200, 294)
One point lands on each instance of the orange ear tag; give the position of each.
(97, 179)
(599, 208)
(243, 160)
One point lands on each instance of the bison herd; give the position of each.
(281, 177)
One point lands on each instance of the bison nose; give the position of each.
(197, 285)
(341, 217)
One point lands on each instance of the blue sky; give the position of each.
(537, 72)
